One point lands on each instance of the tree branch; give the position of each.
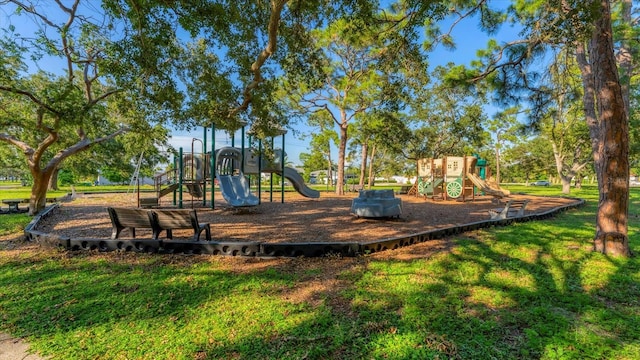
(274, 20)
(31, 96)
(52, 137)
(495, 64)
(66, 48)
(461, 17)
(28, 150)
(81, 145)
(103, 96)
(31, 10)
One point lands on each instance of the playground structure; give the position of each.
(454, 177)
(430, 177)
(227, 167)
(230, 165)
(234, 185)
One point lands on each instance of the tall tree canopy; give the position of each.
(359, 75)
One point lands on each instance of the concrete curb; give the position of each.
(15, 349)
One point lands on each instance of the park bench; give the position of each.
(148, 202)
(13, 204)
(513, 208)
(122, 218)
(178, 219)
(156, 220)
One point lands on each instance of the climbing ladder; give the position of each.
(134, 178)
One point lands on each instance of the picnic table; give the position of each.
(13, 204)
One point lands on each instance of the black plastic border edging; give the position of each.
(394, 243)
(36, 219)
(259, 249)
(313, 249)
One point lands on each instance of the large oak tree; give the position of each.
(56, 94)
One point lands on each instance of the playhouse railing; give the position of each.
(165, 182)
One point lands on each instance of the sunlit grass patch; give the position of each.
(395, 343)
(13, 223)
(490, 298)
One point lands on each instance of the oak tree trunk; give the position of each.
(38, 199)
(53, 180)
(363, 163)
(371, 173)
(342, 151)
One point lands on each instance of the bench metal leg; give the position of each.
(198, 232)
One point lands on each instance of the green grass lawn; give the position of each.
(24, 192)
(13, 223)
(531, 290)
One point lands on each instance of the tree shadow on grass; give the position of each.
(132, 299)
(524, 297)
(527, 291)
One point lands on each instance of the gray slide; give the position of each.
(236, 191)
(298, 182)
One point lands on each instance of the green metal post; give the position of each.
(271, 176)
(259, 171)
(248, 176)
(242, 148)
(213, 163)
(282, 165)
(180, 177)
(204, 167)
(175, 167)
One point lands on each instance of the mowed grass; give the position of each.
(24, 192)
(13, 223)
(531, 290)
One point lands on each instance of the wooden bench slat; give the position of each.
(122, 218)
(176, 219)
(179, 219)
(157, 221)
